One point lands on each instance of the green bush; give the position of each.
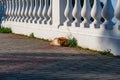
(5, 30)
(71, 42)
(31, 35)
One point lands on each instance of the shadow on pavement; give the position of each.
(52, 66)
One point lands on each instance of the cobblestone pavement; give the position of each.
(22, 58)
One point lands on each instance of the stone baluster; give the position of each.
(117, 14)
(7, 9)
(39, 13)
(44, 13)
(68, 13)
(27, 10)
(31, 11)
(77, 13)
(50, 13)
(85, 13)
(19, 10)
(5, 6)
(10, 8)
(107, 14)
(35, 12)
(13, 10)
(8, 12)
(96, 14)
(16, 10)
(23, 11)
(2, 7)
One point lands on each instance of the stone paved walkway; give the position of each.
(22, 58)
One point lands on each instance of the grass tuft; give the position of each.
(71, 42)
(5, 30)
(31, 35)
(106, 52)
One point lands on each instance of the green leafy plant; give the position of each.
(5, 30)
(31, 35)
(106, 52)
(71, 42)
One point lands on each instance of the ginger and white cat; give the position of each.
(61, 41)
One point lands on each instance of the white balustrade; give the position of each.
(85, 13)
(27, 10)
(77, 13)
(31, 11)
(50, 13)
(23, 11)
(117, 14)
(44, 12)
(68, 13)
(39, 13)
(35, 12)
(96, 14)
(53, 18)
(108, 14)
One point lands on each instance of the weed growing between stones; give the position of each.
(31, 35)
(72, 42)
(106, 52)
